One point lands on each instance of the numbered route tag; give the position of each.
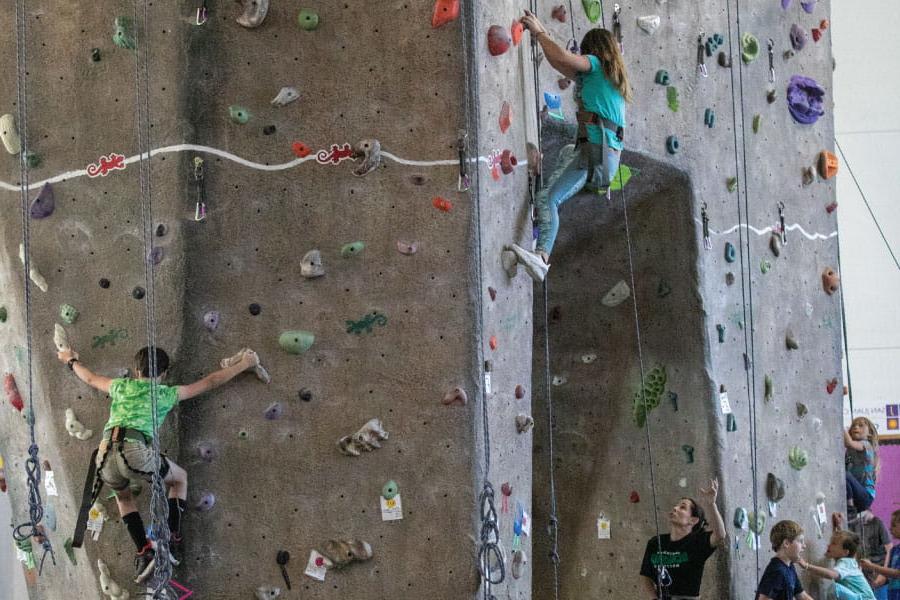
(723, 401)
(95, 523)
(603, 530)
(316, 566)
(487, 382)
(50, 483)
(391, 510)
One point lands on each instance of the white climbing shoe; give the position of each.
(532, 261)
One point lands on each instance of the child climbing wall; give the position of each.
(861, 442)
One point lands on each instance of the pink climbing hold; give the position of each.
(407, 248)
(831, 385)
(516, 30)
(493, 343)
(559, 13)
(12, 392)
(444, 12)
(498, 40)
(206, 452)
(634, 497)
(505, 116)
(206, 502)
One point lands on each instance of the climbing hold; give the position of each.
(749, 48)
(673, 399)
(50, 517)
(267, 592)
(520, 392)
(688, 453)
(649, 396)
(43, 204)
(588, 358)
(505, 116)
(68, 313)
(775, 244)
(370, 153)
(563, 83)
(211, 320)
(724, 60)
(809, 176)
(709, 117)
(206, 452)
(831, 207)
(255, 309)
(554, 106)
(731, 184)
(366, 439)
(662, 77)
(729, 278)
(498, 40)
(831, 385)
(824, 24)
(769, 385)
(285, 96)
(634, 497)
(75, 428)
(492, 293)
(300, 149)
(455, 396)
(757, 121)
(352, 249)
(305, 394)
(407, 248)
(10, 135)
(559, 13)
(3, 314)
(443, 204)
(649, 23)
(798, 37)
(798, 458)
(672, 144)
(311, 265)
(524, 423)
(805, 99)
(516, 30)
(730, 252)
(444, 12)
(593, 9)
(390, 490)
(493, 342)
(774, 488)
(802, 411)
(771, 95)
(206, 502)
(827, 165)
(757, 522)
(672, 98)
(721, 330)
(95, 55)
(508, 162)
(239, 114)
(616, 295)
(254, 13)
(32, 160)
(108, 586)
(269, 130)
(12, 392)
(663, 289)
(296, 342)
(790, 341)
(808, 5)
(510, 263)
(366, 323)
(519, 560)
(59, 338)
(831, 281)
(274, 411)
(123, 34)
(138, 293)
(243, 434)
(342, 553)
(740, 520)
(559, 380)
(730, 422)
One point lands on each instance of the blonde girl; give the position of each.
(861, 458)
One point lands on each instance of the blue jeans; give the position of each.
(568, 179)
(856, 491)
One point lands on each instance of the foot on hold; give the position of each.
(144, 563)
(532, 261)
(176, 549)
(261, 373)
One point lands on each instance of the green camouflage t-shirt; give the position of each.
(131, 405)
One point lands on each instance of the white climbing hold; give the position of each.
(559, 380)
(286, 96)
(311, 265)
(649, 24)
(588, 358)
(10, 135)
(617, 295)
(261, 373)
(33, 273)
(267, 592)
(254, 13)
(682, 482)
(366, 439)
(524, 423)
(108, 586)
(75, 427)
(60, 339)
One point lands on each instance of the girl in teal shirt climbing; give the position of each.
(602, 92)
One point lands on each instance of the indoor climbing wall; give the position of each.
(741, 310)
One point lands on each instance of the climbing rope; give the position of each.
(159, 509)
(740, 161)
(33, 528)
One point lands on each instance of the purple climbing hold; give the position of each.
(206, 452)
(805, 99)
(275, 411)
(157, 254)
(785, 4)
(798, 37)
(808, 5)
(42, 206)
(211, 320)
(206, 502)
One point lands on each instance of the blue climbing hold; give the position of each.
(672, 145)
(730, 252)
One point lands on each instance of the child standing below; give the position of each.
(861, 457)
(892, 570)
(849, 581)
(779, 580)
(875, 548)
(602, 91)
(126, 453)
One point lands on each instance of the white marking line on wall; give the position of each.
(764, 231)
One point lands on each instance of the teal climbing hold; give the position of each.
(662, 77)
(741, 520)
(352, 249)
(390, 490)
(68, 313)
(3, 314)
(672, 144)
(721, 329)
(308, 20)
(239, 114)
(798, 458)
(731, 422)
(123, 37)
(296, 342)
(769, 385)
(730, 252)
(593, 9)
(688, 453)
(672, 98)
(709, 118)
(366, 323)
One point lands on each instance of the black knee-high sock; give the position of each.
(135, 526)
(176, 507)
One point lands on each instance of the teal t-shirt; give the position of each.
(599, 96)
(853, 579)
(131, 405)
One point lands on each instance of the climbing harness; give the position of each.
(701, 57)
(771, 60)
(199, 183)
(33, 528)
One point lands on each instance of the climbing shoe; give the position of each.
(144, 563)
(532, 261)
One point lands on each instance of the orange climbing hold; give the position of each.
(828, 164)
(12, 392)
(824, 24)
(444, 12)
(517, 29)
(301, 150)
(498, 40)
(505, 116)
(442, 204)
(493, 342)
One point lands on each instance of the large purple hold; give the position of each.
(798, 37)
(808, 5)
(206, 502)
(42, 206)
(786, 3)
(805, 99)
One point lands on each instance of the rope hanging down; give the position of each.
(33, 528)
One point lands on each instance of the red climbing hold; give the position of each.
(505, 116)
(559, 13)
(12, 392)
(444, 12)
(816, 34)
(831, 385)
(493, 342)
(508, 162)
(301, 150)
(517, 29)
(831, 207)
(634, 497)
(498, 40)
(442, 204)
(492, 293)
(831, 280)
(520, 392)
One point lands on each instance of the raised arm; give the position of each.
(70, 358)
(849, 442)
(707, 499)
(559, 58)
(220, 377)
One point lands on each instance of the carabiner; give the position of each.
(771, 60)
(701, 57)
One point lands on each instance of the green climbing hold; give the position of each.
(769, 385)
(764, 266)
(730, 423)
(757, 522)
(308, 20)
(672, 98)
(3, 314)
(366, 323)
(352, 249)
(32, 160)
(593, 9)
(70, 551)
(390, 490)
(649, 397)
(622, 177)
(757, 121)
(296, 342)
(123, 37)
(239, 114)
(731, 183)
(68, 313)
(749, 48)
(798, 458)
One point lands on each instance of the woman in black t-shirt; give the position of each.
(676, 570)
